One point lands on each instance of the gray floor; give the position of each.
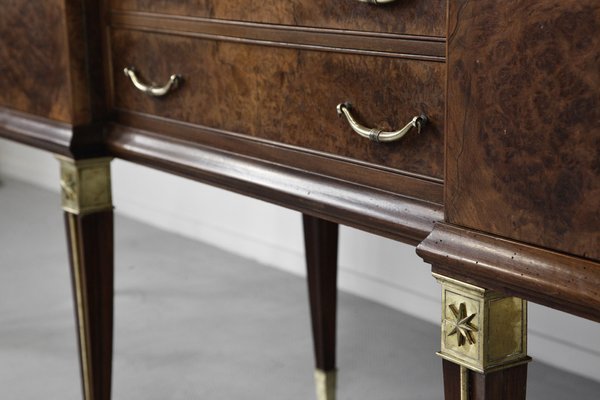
(195, 322)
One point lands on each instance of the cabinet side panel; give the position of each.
(33, 58)
(523, 146)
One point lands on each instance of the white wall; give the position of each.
(375, 268)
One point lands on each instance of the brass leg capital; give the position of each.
(326, 382)
(482, 330)
(85, 185)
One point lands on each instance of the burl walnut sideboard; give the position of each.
(470, 129)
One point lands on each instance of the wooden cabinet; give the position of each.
(500, 190)
(248, 78)
(524, 123)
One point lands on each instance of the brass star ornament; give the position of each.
(461, 324)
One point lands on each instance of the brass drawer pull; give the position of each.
(377, 1)
(378, 135)
(152, 90)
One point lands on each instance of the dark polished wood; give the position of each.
(57, 137)
(451, 375)
(510, 383)
(524, 121)
(46, 71)
(90, 242)
(289, 96)
(381, 212)
(414, 17)
(522, 180)
(321, 249)
(501, 189)
(348, 170)
(554, 279)
(288, 36)
(35, 77)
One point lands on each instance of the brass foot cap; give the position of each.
(326, 384)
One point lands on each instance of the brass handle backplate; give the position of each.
(152, 90)
(377, 135)
(377, 1)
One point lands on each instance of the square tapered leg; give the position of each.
(321, 244)
(87, 205)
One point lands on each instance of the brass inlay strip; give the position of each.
(464, 383)
(382, 44)
(82, 305)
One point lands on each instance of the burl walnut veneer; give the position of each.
(496, 182)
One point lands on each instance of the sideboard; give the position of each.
(470, 129)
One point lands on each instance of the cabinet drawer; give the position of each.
(288, 96)
(413, 17)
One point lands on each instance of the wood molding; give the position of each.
(359, 172)
(392, 45)
(53, 136)
(556, 280)
(377, 211)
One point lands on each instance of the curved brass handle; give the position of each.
(378, 135)
(151, 90)
(377, 1)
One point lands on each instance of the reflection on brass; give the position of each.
(326, 384)
(81, 299)
(85, 185)
(152, 90)
(378, 135)
(462, 326)
(491, 327)
(377, 1)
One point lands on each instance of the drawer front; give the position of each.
(289, 96)
(413, 17)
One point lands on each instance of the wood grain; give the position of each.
(556, 280)
(91, 253)
(451, 375)
(415, 17)
(510, 383)
(321, 251)
(523, 148)
(381, 212)
(57, 137)
(46, 50)
(301, 37)
(33, 53)
(349, 170)
(289, 96)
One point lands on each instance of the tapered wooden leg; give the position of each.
(509, 383)
(452, 380)
(484, 343)
(321, 245)
(89, 224)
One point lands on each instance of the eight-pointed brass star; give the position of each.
(461, 325)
